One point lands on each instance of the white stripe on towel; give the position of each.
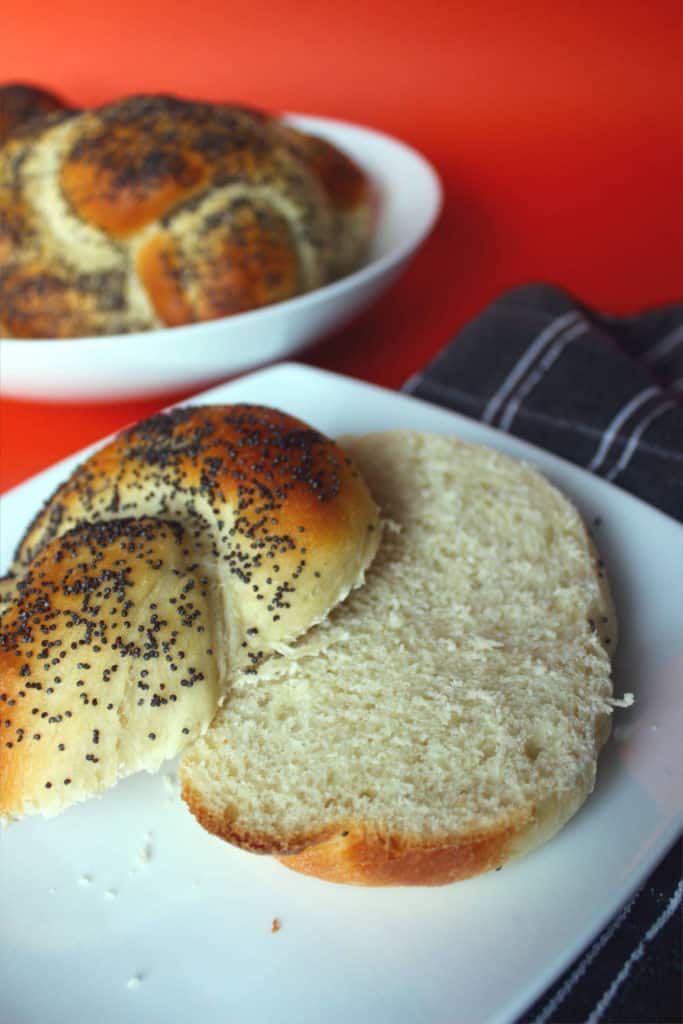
(663, 347)
(532, 380)
(617, 422)
(637, 953)
(582, 966)
(636, 435)
(525, 363)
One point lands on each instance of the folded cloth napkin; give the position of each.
(605, 392)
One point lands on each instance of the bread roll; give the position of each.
(449, 715)
(156, 212)
(190, 546)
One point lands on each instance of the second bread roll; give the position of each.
(156, 212)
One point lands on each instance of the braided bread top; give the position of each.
(155, 211)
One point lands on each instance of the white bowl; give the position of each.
(158, 361)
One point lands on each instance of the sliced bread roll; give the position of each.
(187, 547)
(449, 715)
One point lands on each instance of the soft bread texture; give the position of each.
(449, 715)
(155, 211)
(190, 546)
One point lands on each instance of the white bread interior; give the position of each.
(449, 715)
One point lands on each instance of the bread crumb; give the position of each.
(171, 785)
(134, 982)
(85, 880)
(146, 851)
(622, 702)
(275, 926)
(110, 894)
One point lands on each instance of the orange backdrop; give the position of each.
(556, 129)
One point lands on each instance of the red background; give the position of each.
(556, 129)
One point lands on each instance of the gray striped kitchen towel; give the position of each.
(605, 392)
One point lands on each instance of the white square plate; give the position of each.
(124, 909)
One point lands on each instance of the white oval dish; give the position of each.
(153, 362)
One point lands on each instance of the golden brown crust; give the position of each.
(242, 261)
(345, 183)
(106, 661)
(356, 853)
(154, 211)
(349, 190)
(360, 857)
(159, 269)
(98, 183)
(266, 519)
(46, 304)
(281, 508)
